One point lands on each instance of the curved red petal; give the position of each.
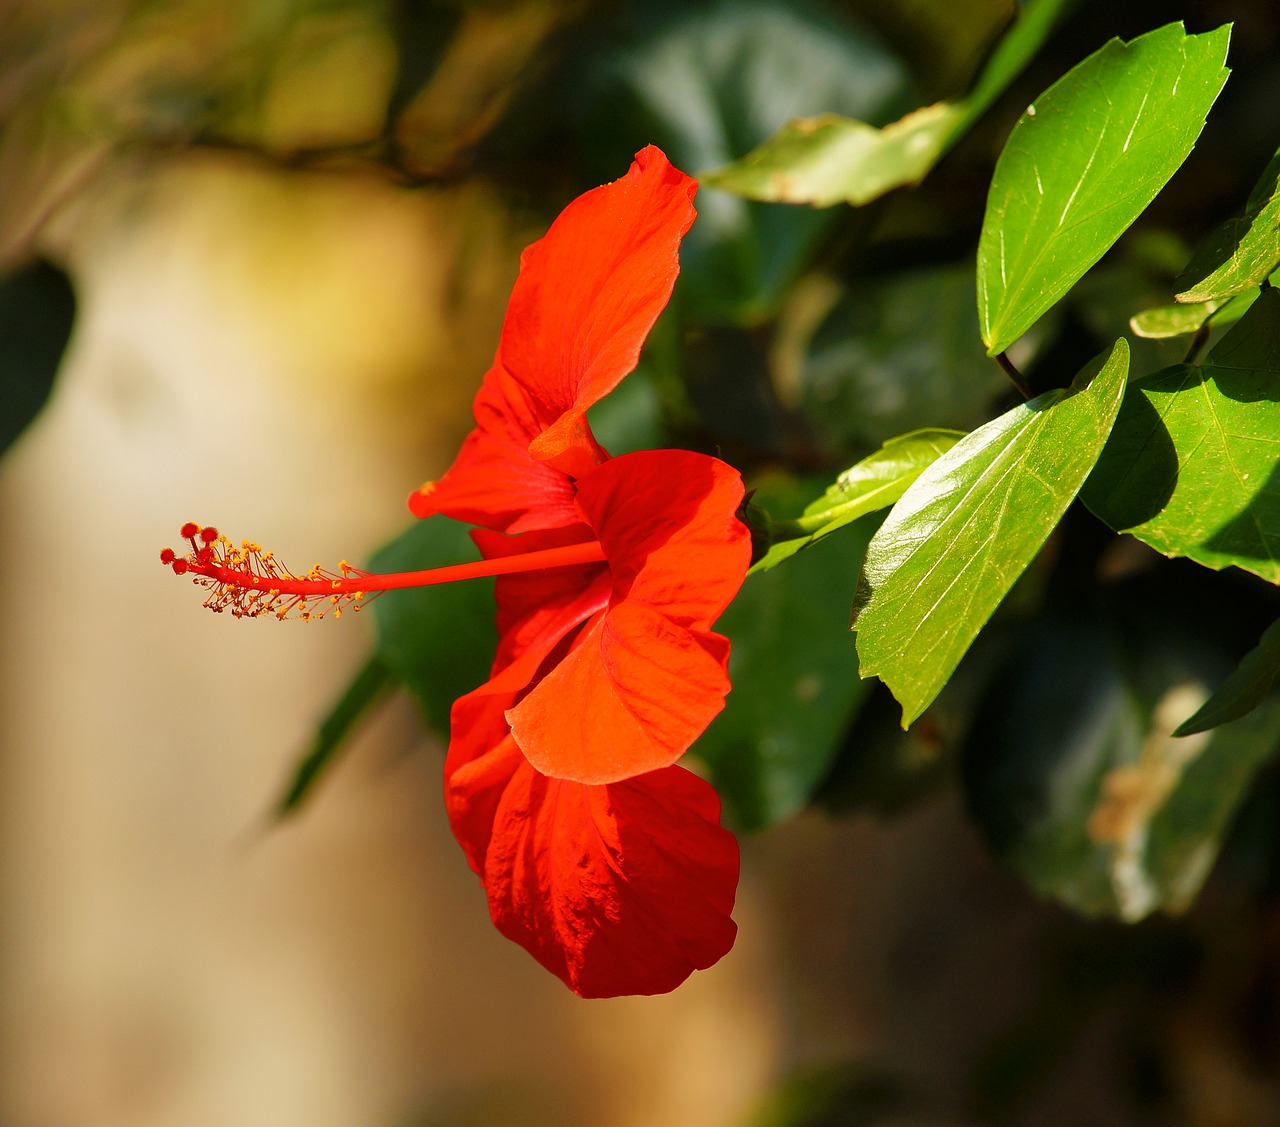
(494, 482)
(588, 293)
(619, 889)
(668, 522)
(644, 681)
(631, 696)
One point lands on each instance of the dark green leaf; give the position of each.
(1193, 465)
(1247, 687)
(874, 483)
(1076, 775)
(439, 641)
(709, 84)
(1242, 252)
(369, 685)
(794, 673)
(831, 159)
(37, 309)
(894, 355)
(964, 531)
(1083, 162)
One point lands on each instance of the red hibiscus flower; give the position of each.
(598, 855)
(622, 883)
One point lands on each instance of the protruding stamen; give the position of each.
(249, 581)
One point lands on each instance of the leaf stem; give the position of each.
(1198, 342)
(1015, 377)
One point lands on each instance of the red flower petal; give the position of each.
(618, 889)
(644, 679)
(494, 482)
(588, 293)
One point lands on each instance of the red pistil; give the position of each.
(249, 581)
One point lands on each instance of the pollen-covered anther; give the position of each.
(247, 579)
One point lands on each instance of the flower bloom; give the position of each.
(598, 855)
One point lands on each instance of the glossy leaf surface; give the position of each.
(1082, 164)
(874, 483)
(1242, 252)
(962, 534)
(1193, 465)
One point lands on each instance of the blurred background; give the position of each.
(255, 258)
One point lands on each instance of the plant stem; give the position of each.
(1015, 377)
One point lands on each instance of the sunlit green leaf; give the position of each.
(1168, 321)
(438, 641)
(964, 531)
(1083, 162)
(368, 686)
(37, 308)
(794, 672)
(831, 159)
(1076, 775)
(1242, 252)
(1193, 465)
(874, 483)
(1248, 686)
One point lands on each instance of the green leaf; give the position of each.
(367, 687)
(708, 84)
(438, 641)
(1193, 465)
(1075, 772)
(1248, 686)
(831, 159)
(890, 355)
(874, 483)
(955, 543)
(794, 673)
(37, 310)
(1082, 164)
(1167, 321)
(1242, 252)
